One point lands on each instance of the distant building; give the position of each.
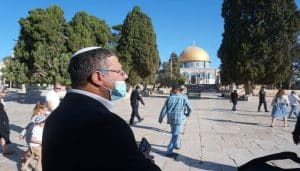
(194, 65)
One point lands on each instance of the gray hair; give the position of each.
(84, 63)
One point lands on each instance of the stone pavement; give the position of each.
(215, 138)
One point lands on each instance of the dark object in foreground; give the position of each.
(145, 148)
(296, 132)
(259, 164)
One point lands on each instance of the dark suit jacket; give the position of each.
(262, 95)
(82, 134)
(135, 97)
(234, 97)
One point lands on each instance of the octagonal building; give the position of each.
(194, 65)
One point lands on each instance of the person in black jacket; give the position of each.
(135, 98)
(4, 125)
(82, 133)
(262, 99)
(234, 99)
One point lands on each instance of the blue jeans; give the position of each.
(175, 130)
(234, 106)
(294, 109)
(182, 124)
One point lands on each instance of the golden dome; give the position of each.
(194, 53)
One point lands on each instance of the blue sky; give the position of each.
(177, 23)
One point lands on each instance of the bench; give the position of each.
(193, 93)
(146, 92)
(243, 98)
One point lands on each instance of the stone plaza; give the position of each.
(215, 138)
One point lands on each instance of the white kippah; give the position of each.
(85, 50)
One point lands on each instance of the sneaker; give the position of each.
(177, 147)
(38, 169)
(132, 123)
(23, 168)
(141, 119)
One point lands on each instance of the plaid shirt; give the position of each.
(174, 108)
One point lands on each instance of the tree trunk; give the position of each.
(249, 87)
(153, 88)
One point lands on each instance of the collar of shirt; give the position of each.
(108, 104)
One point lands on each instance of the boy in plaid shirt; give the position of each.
(174, 108)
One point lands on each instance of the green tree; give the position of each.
(85, 30)
(116, 35)
(14, 70)
(170, 72)
(257, 41)
(164, 75)
(40, 45)
(137, 49)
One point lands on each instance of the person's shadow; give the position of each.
(150, 128)
(200, 164)
(16, 156)
(15, 128)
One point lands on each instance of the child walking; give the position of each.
(36, 142)
(39, 110)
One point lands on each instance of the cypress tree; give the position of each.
(41, 43)
(85, 30)
(257, 41)
(137, 49)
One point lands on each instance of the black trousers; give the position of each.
(134, 113)
(265, 105)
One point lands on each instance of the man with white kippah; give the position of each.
(82, 133)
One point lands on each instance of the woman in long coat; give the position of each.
(280, 103)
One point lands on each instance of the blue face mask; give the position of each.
(119, 91)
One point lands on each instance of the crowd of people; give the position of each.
(62, 135)
(280, 104)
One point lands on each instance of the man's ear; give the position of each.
(97, 78)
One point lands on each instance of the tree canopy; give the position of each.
(46, 42)
(85, 30)
(258, 38)
(170, 72)
(137, 49)
(40, 45)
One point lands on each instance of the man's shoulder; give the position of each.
(135, 92)
(175, 97)
(81, 106)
